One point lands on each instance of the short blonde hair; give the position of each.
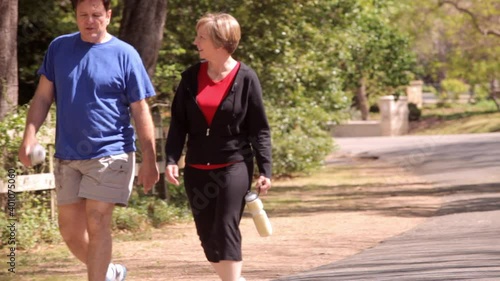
(223, 29)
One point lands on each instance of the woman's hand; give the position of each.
(172, 173)
(263, 185)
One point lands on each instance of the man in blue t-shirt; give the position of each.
(98, 83)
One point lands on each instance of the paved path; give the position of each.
(462, 241)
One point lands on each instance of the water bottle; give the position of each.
(37, 154)
(260, 218)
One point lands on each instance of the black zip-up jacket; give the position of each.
(239, 129)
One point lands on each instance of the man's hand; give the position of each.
(24, 152)
(148, 172)
(40, 105)
(148, 175)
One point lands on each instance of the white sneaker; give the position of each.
(121, 272)
(116, 272)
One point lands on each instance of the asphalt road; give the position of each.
(462, 241)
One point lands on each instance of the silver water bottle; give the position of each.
(260, 219)
(37, 154)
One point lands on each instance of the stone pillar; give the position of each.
(414, 93)
(393, 116)
(386, 106)
(401, 116)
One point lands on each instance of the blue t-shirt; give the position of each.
(94, 87)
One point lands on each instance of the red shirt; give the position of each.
(210, 96)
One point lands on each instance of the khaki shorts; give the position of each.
(107, 179)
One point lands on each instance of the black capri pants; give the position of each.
(217, 200)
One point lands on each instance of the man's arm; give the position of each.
(39, 107)
(148, 172)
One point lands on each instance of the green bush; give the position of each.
(129, 219)
(11, 128)
(481, 92)
(33, 225)
(11, 132)
(426, 88)
(453, 88)
(300, 138)
(161, 213)
(414, 112)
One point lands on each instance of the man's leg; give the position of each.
(73, 229)
(99, 215)
(105, 182)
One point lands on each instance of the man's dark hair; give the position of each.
(106, 3)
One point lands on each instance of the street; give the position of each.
(462, 240)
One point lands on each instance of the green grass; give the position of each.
(29, 265)
(482, 117)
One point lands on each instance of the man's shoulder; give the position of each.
(123, 45)
(65, 38)
(124, 50)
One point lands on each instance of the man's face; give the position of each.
(92, 20)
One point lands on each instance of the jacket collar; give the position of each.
(191, 76)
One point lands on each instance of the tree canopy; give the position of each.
(310, 56)
(454, 39)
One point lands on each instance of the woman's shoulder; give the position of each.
(246, 71)
(245, 67)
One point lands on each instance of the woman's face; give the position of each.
(204, 44)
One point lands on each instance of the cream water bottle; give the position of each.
(260, 219)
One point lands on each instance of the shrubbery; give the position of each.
(452, 89)
(150, 210)
(128, 219)
(300, 139)
(414, 112)
(34, 224)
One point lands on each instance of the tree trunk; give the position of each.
(362, 100)
(142, 27)
(8, 56)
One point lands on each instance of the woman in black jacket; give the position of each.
(218, 106)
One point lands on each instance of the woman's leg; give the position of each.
(230, 206)
(217, 203)
(228, 270)
(201, 195)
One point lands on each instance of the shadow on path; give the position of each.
(383, 198)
